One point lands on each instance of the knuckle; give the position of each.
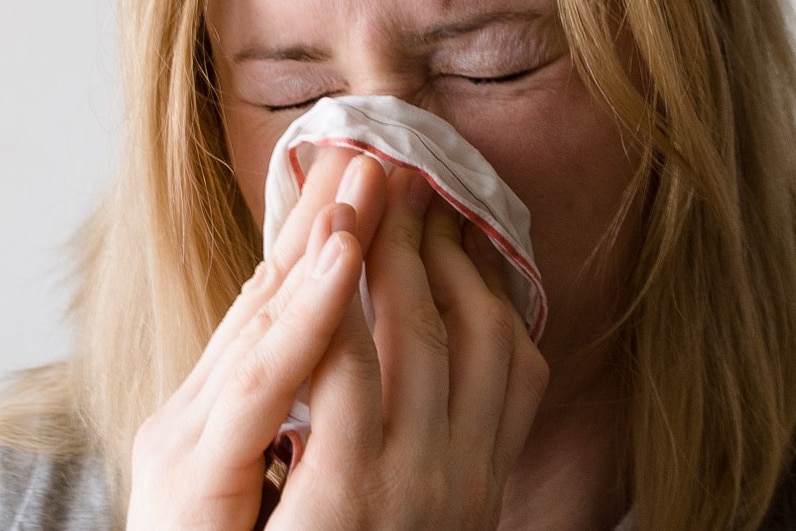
(256, 373)
(499, 323)
(418, 321)
(360, 350)
(293, 315)
(533, 374)
(404, 237)
(442, 225)
(276, 270)
(270, 311)
(427, 324)
(255, 280)
(257, 325)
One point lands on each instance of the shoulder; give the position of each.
(42, 492)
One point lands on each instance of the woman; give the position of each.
(652, 143)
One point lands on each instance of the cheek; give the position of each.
(563, 156)
(251, 138)
(565, 160)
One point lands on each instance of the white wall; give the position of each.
(59, 124)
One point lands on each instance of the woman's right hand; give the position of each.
(198, 461)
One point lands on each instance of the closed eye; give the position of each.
(515, 76)
(298, 106)
(305, 104)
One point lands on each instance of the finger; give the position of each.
(269, 300)
(490, 264)
(364, 187)
(364, 184)
(337, 176)
(345, 395)
(528, 372)
(319, 188)
(527, 381)
(480, 330)
(335, 217)
(408, 331)
(252, 296)
(345, 391)
(258, 394)
(332, 218)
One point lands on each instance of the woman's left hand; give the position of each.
(418, 422)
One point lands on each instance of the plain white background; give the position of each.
(60, 118)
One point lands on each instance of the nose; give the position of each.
(383, 79)
(375, 62)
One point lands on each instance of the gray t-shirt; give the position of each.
(41, 493)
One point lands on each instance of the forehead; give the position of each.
(240, 21)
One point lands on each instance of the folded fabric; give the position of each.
(398, 134)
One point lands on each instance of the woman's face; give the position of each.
(498, 71)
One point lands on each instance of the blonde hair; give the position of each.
(709, 332)
(713, 328)
(163, 256)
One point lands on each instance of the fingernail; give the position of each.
(344, 218)
(331, 251)
(419, 194)
(344, 194)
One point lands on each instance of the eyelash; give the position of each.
(295, 106)
(509, 78)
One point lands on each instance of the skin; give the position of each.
(555, 146)
(437, 385)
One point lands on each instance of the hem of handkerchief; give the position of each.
(537, 327)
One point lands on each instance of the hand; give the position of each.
(198, 460)
(417, 425)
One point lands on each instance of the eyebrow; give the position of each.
(310, 54)
(304, 54)
(480, 21)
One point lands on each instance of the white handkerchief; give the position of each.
(399, 134)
